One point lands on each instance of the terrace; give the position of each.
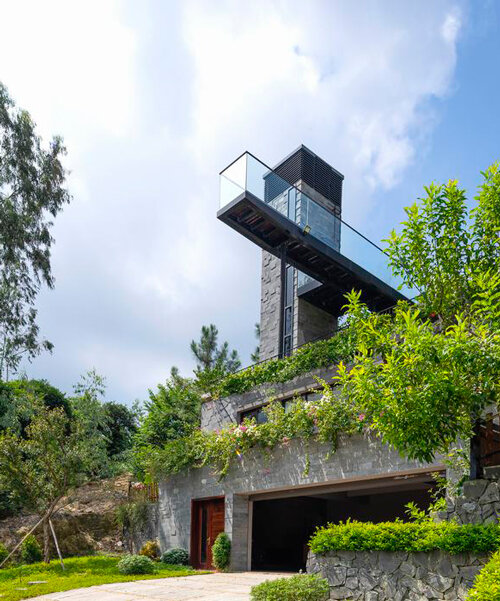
(331, 256)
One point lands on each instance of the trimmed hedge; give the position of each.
(402, 536)
(487, 584)
(314, 355)
(300, 587)
(221, 551)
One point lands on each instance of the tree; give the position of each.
(42, 466)
(213, 362)
(88, 410)
(423, 375)
(173, 411)
(444, 248)
(32, 193)
(121, 427)
(255, 356)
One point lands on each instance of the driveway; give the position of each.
(210, 587)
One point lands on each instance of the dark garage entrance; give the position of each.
(281, 527)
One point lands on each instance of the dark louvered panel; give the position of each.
(306, 166)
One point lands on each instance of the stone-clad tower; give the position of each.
(288, 320)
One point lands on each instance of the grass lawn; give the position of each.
(79, 572)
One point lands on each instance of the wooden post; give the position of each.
(56, 543)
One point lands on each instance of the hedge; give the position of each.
(487, 584)
(314, 355)
(402, 536)
(300, 587)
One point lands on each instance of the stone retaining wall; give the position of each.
(397, 576)
(479, 503)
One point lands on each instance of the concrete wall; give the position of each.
(284, 468)
(221, 412)
(397, 576)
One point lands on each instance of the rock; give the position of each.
(336, 576)
(473, 489)
(371, 596)
(439, 582)
(352, 582)
(390, 562)
(492, 493)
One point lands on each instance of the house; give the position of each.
(270, 506)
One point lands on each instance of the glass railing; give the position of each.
(247, 173)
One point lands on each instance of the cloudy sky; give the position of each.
(154, 98)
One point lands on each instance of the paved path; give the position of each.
(208, 587)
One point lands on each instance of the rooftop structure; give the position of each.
(311, 257)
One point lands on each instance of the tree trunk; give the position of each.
(46, 541)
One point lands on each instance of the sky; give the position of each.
(155, 98)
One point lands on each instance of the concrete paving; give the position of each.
(208, 587)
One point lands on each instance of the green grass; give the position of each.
(80, 572)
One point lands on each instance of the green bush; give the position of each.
(221, 551)
(411, 537)
(487, 584)
(314, 355)
(31, 551)
(150, 549)
(176, 557)
(3, 552)
(300, 587)
(136, 564)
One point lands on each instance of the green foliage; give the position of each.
(172, 411)
(32, 193)
(213, 362)
(31, 551)
(322, 420)
(133, 516)
(3, 552)
(150, 549)
(300, 587)
(417, 388)
(136, 564)
(443, 246)
(322, 353)
(487, 584)
(221, 551)
(406, 536)
(176, 556)
(79, 572)
(121, 426)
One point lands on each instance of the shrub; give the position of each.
(3, 552)
(150, 549)
(314, 355)
(31, 551)
(412, 537)
(300, 587)
(176, 556)
(221, 551)
(136, 564)
(487, 584)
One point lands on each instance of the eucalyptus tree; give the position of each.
(32, 192)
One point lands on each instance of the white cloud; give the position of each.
(153, 99)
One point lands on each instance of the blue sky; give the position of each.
(155, 98)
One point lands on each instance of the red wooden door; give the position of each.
(207, 523)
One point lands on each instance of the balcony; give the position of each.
(331, 256)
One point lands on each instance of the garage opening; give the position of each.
(281, 527)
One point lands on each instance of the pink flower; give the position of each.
(361, 417)
(286, 439)
(243, 428)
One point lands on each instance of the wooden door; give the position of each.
(207, 522)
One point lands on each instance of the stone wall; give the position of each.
(296, 464)
(221, 412)
(270, 304)
(397, 576)
(479, 503)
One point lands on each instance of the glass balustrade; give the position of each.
(247, 173)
